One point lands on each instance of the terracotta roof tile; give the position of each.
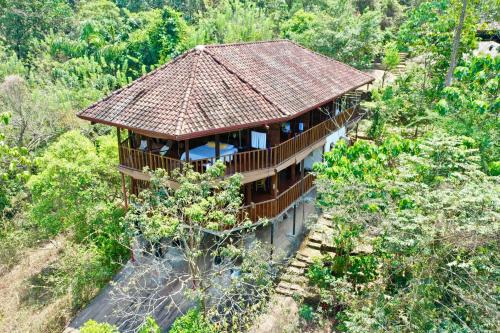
(225, 87)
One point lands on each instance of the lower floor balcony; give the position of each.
(269, 206)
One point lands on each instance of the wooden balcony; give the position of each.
(274, 207)
(260, 160)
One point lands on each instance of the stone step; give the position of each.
(307, 261)
(285, 292)
(294, 270)
(313, 245)
(298, 264)
(315, 237)
(291, 286)
(308, 252)
(295, 279)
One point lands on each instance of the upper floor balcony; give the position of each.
(252, 164)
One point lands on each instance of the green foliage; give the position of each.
(83, 270)
(471, 106)
(92, 326)
(192, 322)
(338, 31)
(22, 22)
(306, 312)
(74, 177)
(232, 21)
(75, 192)
(14, 163)
(163, 36)
(354, 267)
(149, 326)
(390, 59)
(127, 45)
(428, 31)
(201, 201)
(429, 213)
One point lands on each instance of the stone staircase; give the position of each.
(293, 282)
(403, 57)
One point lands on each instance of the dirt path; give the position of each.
(15, 314)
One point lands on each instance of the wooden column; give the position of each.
(217, 146)
(302, 171)
(119, 138)
(118, 135)
(186, 149)
(273, 135)
(292, 171)
(124, 190)
(248, 194)
(274, 181)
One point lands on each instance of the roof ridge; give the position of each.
(246, 43)
(187, 94)
(220, 62)
(328, 58)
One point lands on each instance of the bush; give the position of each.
(306, 312)
(92, 326)
(83, 270)
(192, 322)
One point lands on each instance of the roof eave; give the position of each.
(193, 135)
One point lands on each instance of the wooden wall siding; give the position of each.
(239, 162)
(273, 207)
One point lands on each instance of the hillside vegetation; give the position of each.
(423, 191)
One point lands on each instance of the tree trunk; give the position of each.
(456, 44)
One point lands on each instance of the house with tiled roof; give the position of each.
(268, 110)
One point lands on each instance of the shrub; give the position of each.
(92, 326)
(192, 322)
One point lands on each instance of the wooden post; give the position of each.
(302, 171)
(186, 149)
(130, 139)
(248, 188)
(118, 135)
(272, 233)
(292, 172)
(217, 146)
(274, 181)
(124, 190)
(294, 216)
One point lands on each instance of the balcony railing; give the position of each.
(273, 207)
(243, 161)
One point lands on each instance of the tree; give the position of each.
(14, 163)
(191, 256)
(232, 21)
(427, 32)
(337, 30)
(77, 191)
(470, 106)
(456, 44)
(429, 214)
(163, 35)
(22, 22)
(92, 326)
(194, 322)
(390, 60)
